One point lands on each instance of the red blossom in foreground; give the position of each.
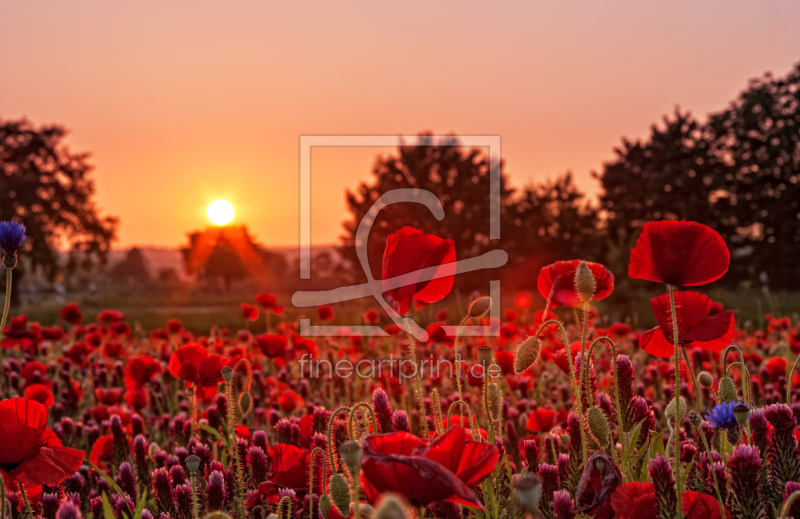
(556, 283)
(289, 470)
(637, 500)
(407, 252)
(425, 471)
(696, 325)
(194, 365)
(679, 253)
(31, 452)
(40, 393)
(249, 312)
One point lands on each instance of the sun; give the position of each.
(220, 212)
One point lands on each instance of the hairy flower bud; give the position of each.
(340, 493)
(527, 353)
(351, 455)
(485, 356)
(705, 379)
(584, 282)
(528, 491)
(493, 402)
(480, 307)
(598, 425)
(671, 410)
(695, 419)
(390, 507)
(325, 504)
(727, 390)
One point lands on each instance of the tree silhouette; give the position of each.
(133, 269)
(48, 188)
(458, 177)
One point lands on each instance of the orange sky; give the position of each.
(182, 103)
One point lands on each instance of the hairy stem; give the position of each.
(677, 400)
(422, 415)
(7, 304)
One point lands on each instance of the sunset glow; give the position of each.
(220, 212)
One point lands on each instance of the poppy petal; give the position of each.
(655, 343)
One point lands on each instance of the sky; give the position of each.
(184, 102)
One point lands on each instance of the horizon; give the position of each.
(179, 108)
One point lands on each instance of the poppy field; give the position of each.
(559, 415)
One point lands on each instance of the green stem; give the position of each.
(315, 450)
(789, 502)
(676, 347)
(789, 382)
(235, 446)
(616, 381)
(356, 507)
(24, 498)
(698, 392)
(745, 373)
(463, 404)
(486, 406)
(353, 415)
(422, 415)
(280, 507)
(437, 413)
(2, 499)
(330, 435)
(194, 495)
(575, 388)
(6, 306)
(458, 361)
(584, 383)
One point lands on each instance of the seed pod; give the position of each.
(527, 353)
(584, 282)
(742, 413)
(598, 425)
(351, 455)
(705, 379)
(340, 493)
(727, 390)
(245, 403)
(485, 358)
(695, 419)
(733, 435)
(390, 507)
(670, 411)
(325, 504)
(480, 307)
(227, 373)
(192, 463)
(493, 401)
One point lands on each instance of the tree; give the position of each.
(737, 173)
(49, 189)
(458, 177)
(133, 269)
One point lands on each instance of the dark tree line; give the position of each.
(737, 172)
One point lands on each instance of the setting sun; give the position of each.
(220, 212)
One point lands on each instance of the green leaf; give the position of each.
(106, 477)
(626, 454)
(215, 433)
(108, 513)
(137, 514)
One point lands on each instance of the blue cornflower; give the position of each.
(722, 416)
(12, 236)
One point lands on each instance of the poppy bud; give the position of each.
(9, 259)
(325, 505)
(670, 411)
(351, 455)
(584, 282)
(192, 463)
(528, 491)
(485, 357)
(480, 306)
(227, 373)
(695, 419)
(727, 390)
(527, 353)
(493, 401)
(340, 493)
(245, 403)
(598, 425)
(390, 507)
(742, 413)
(705, 379)
(733, 435)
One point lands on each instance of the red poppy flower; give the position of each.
(556, 283)
(54, 333)
(138, 399)
(505, 359)
(679, 253)
(424, 471)
(599, 480)
(407, 252)
(34, 372)
(325, 313)
(697, 505)
(102, 451)
(511, 315)
(371, 316)
(523, 301)
(541, 420)
(560, 357)
(269, 303)
(140, 370)
(112, 396)
(695, 325)
(110, 317)
(249, 312)
(635, 500)
(289, 401)
(194, 365)
(437, 334)
(776, 367)
(78, 353)
(289, 470)
(71, 313)
(272, 345)
(31, 452)
(40, 393)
